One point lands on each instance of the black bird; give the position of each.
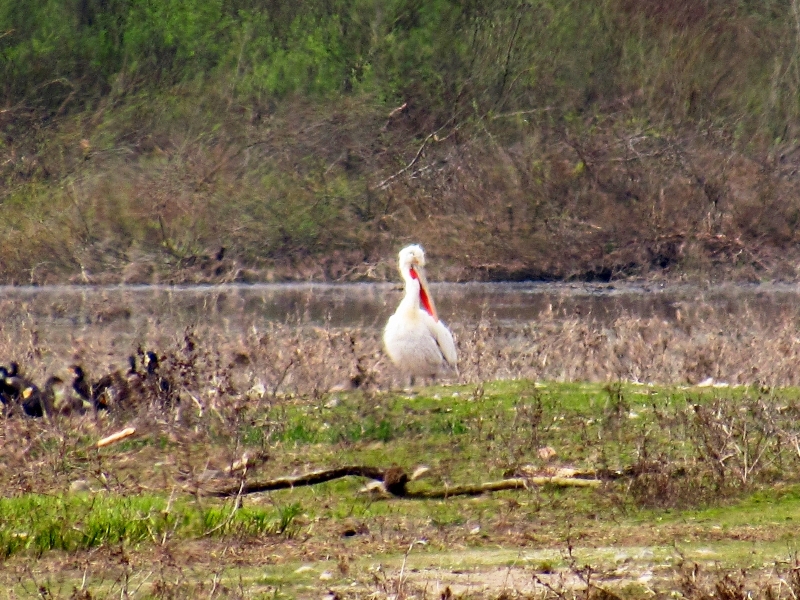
(134, 379)
(89, 394)
(6, 391)
(18, 390)
(111, 390)
(14, 383)
(151, 362)
(157, 385)
(133, 372)
(81, 385)
(36, 402)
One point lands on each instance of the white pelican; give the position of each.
(418, 343)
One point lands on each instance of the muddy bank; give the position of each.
(711, 259)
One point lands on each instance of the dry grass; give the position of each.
(224, 343)
(269, 389)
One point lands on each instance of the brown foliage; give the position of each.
(308, 196)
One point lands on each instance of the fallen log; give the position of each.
(290, 481)
(629, 472)
(515, 483)
(395, 483)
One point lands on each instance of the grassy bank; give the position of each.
(697, 467)
(586, 140)
(81, 521)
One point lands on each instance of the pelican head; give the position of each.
(411, 261)
(411, 257)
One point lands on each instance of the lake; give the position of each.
(520, 323)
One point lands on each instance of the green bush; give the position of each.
(690, 59)
(148, 120)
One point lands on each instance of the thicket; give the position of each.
(691, 58)
(156, 132)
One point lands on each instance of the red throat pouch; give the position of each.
(423, 296)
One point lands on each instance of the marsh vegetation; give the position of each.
(699, 485)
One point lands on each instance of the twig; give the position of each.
(403, 568)
(516, 483)
(115, 437)
(166, 513)
(236, 505)
(519, 113)
(282, 378)
(509, 52)
(312, 478)
(385, 183)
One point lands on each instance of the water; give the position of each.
(731, 332)
(369, 305)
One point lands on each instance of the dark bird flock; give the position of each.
(114, 391)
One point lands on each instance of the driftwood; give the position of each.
(394, 481)
(515, 483)
(313, 478)
(528, 471)
(115, 437)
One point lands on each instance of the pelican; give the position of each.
(418, 343)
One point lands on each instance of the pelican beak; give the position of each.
(425, 297)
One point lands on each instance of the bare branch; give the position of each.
(385, 183)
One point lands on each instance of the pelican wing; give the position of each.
(444, 340)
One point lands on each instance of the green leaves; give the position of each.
(495, 56)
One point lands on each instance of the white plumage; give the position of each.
(418, 343)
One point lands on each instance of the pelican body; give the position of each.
(418, 343)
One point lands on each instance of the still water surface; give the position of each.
(238, 307)
(564, 332)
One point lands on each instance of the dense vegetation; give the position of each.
(534, 138)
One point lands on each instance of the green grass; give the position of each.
(572, 417)
(762, 508)
(39, 523)
(680, 509)
(451, 430)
